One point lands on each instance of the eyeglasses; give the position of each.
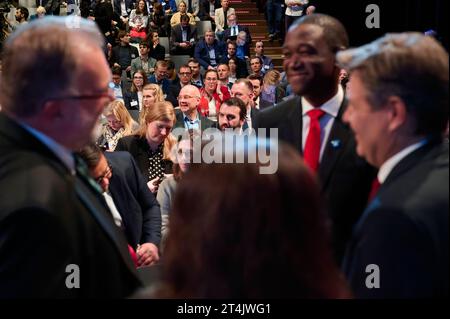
(106, 174)
(185, 73)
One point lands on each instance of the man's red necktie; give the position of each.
(311, 153)
(374, 190)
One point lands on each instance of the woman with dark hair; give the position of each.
(157, 51)
(213, 94)
(250, 235)
(138, 21)
(133, 98)
(157, 20)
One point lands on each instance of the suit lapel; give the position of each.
(294, 124)
(335, 146)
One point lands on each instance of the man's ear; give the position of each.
(397, 112)
(52, 110)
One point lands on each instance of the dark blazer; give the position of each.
(204, 9)
(345, 178)
(263, 104)
(50, 219)
(129, 5)
(138, 148)
(158, 53)
(241, 66)
(137, 206)
(174, 91)
(227, 34)
(404, 231)
(131, 100)
(115, 55)
(205, 123)
(165, 83)
(176, 37)
(202, 53)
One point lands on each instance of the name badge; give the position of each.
(134, 103)
(266, 67)
(133, 55)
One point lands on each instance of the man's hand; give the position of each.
(184, 45)
(147, 255)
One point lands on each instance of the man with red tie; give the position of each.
(312, 121)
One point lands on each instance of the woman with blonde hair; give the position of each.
(182, 10)
(152, 144)
(152, 94)
(271, 90)
(119, 124)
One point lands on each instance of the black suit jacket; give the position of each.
(241, 66)
(227, 34)
(404, 230)
(345, 178)
(115, 53)
(131, 100)
(50, 219)
(176, 37)
(205, 123)
(137, 206)
(204, 9)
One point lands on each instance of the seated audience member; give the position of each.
(157, 21)
(52, 7)
(256, 65)
(183, 38)
(151, 147)
(221, 18)
(267, 63)
(40, 13)
(188, 116)
(138, 21)
(223, 71)
(209, 51)
(343, 78)
(184, 78)
(118, 124)
(213, 95)
(271, 90)
(21, 16)
(233, 30)
(241, 70)
(258, 235)
(243, 89)
(144, 61)
(123, 9)
(160, 77)
(296, 9)
(167, 188)
(208, 10)
(172, 75)
(257, 83)
(182, 10)
(133, 207)
(124, 53)
(133, 98)
(197, 78)
(398, 109)
(192, 6)
(232, 114)
(151, 94)
(274, 15)
(107, 20)
(117, 81)
(242, 48)
(169, 6)
(157, 51)
(232, 66)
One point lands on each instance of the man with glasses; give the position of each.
(185, 77)
(188, 116)
(234, 28)
(54, 222)
(132, 205)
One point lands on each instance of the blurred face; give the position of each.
(231, 50)
(102, 173)
(223, 72)
(309, 62)
(232, 21)
(211, 81)
(232, 66)
(184, 155)
(255, 65)
(138, 79)
(241, 91)
(116, 79)
(225, 4)
(125, 39)
(157, 131)
(369, 125)
(182, 7)
(209, 38)
(143, 50)
(240, 40)
(188, 99)
(229, 117)
(148, 97)
(342, 75)
(256, 88)
(185, 75)
(184, 23)
(113, 122)
(161, 73)
(195, 68)
(259, 48)
(141, 5)
(18, 15)
(155, 37)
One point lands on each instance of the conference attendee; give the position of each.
(118, 85)
(208, 10)
(221, 18)
(274, 14)
(242, 48)
(398, 109)
(296, 9)
(132, 205)
(271, 90)
(312, 122)
(124, 53)
(343, 78)
(54, 222)
(192, 7)
(257, 236)
(183, 38)
(257, 83)
(209, 51)
(232, 114)
(133, 97)
(151, 94)
(182, 11)
(234, 28)
(161, 77)
(157, 21)
(144, 61)
(256, 66)
(52, 7)
(151, 147)
(123, 8)
(157, 51)
(243, 89)
(240, 65)
(188, 116)
(223, 71)
(197, 77)
(118, 124)
(138, 21)
(21, 16)
(267, 63)
(184, 79)
(213, 95)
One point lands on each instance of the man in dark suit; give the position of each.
(207, 9)
(160, 77)
(233, 30)
(183, 38)
(312, 122)
(184, 78)
(133, 206)
(52, 7)
(54, 223)
(243, 89)
(124, 53)
(398, 109)
(257, 83)
(241, 65)
(209, 51)
(188, 117)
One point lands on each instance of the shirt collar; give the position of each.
(387, 167)
(187, 119)
(330, 107)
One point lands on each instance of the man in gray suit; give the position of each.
(144, 61)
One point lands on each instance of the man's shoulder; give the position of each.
(280, 111)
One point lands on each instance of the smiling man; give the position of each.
(312, 122)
